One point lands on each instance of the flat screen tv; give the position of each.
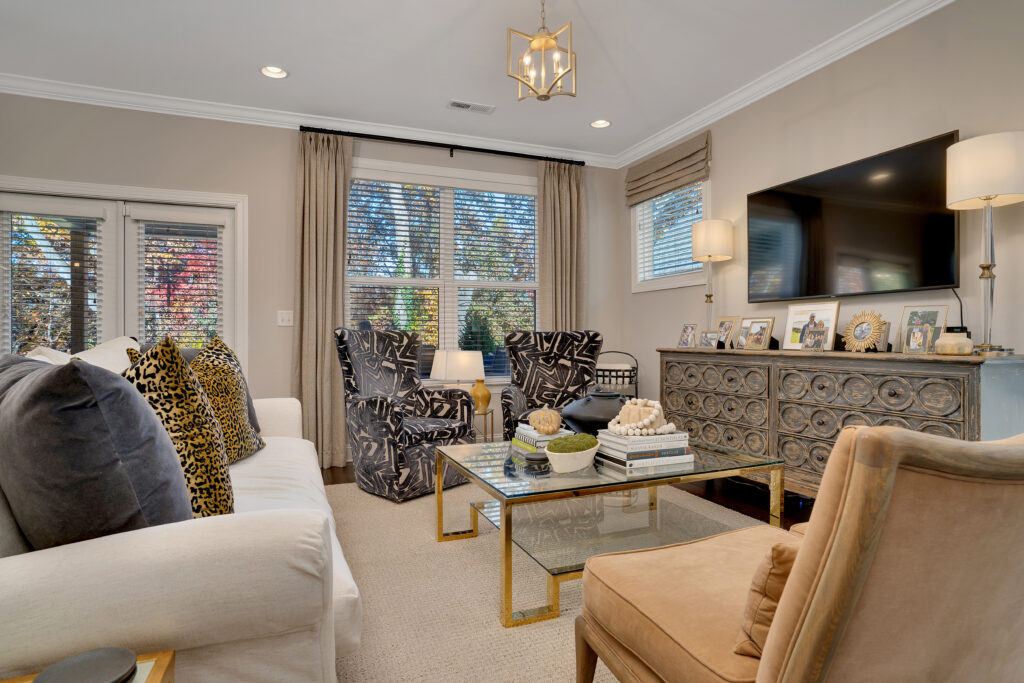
(875, 225)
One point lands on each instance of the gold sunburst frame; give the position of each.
(860, 340)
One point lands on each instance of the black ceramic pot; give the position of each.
(593, 412)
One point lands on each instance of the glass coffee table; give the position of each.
(561, 520)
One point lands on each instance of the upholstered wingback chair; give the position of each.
(394, 423)
(909, 570)
(549, 370)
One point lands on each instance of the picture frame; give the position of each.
(883, 344)
(727, 326)
(863, 332)
(708, 339)
(920, 326)
(755, 333)
(811, 326)
(688, 336)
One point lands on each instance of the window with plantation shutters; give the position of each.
(456, 265)
(76, 272)
(177, 260)
(662, 247)
(52, 278)
(181, 282)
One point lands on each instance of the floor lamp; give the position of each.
(982, 173)
(712, 241)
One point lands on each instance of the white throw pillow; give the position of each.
(110, 355)
(49, 355)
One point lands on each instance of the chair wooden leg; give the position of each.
(586, 658)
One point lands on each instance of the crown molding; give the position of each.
(854, 38)
(177, 106)
(871, 29)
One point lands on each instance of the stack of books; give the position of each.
(628, 453)
(529, 439)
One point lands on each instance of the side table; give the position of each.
(488, 416)
(155, 667)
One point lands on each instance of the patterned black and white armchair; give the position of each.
(549, 370)
(394, 423)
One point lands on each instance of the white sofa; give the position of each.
(264, 594)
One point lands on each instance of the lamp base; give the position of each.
(481, 396)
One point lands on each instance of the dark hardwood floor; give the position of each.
(747, 497)
(338, 475)
(750, 498)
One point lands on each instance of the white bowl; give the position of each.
(570, 462)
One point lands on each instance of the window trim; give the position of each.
(697, 278)
(464, 179)
(238, 203)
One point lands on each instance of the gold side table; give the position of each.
(488, 416)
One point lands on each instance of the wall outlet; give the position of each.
(285, 318)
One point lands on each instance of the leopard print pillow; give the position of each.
(175, 394)
(220, 374)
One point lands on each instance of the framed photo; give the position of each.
(811, 327)
(727, 327)
(688, 337)
(708, 339)
(863, 332)
(755, 333)
(920, 326)
(883, 344)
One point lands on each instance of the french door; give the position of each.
(75, 272)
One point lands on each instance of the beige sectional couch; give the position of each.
(264, 594)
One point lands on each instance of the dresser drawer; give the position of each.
(743, 410)
(730, 435)
(749, 380)
(825, 422)
(927, 396)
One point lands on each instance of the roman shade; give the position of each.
(684, 164)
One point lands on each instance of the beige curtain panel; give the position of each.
(682, 165)
(560, 205)
(325, 163)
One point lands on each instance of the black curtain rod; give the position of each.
(451, 148)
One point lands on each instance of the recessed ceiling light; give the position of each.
(880, 177)
(273, 72)
(600, 123)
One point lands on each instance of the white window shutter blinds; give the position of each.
(181, 281)
(663, 227)
(457, 266)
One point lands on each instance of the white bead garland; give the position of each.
(644, 427)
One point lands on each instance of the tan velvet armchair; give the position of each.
(910, 570)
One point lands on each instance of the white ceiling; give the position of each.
(657, 69)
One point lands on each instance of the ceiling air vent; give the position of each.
(471, 106)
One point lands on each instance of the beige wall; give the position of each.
(958, 68)
(66, 141)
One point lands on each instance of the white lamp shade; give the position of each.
(985, 166)
(712, 240)
(457, 366)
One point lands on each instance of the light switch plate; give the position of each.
(285, 318)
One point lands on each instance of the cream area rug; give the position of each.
(431, 610)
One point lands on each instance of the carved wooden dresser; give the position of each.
(793, 404)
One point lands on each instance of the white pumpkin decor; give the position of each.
(641, 417)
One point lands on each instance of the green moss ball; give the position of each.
(572, 444)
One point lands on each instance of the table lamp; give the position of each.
(982, 173)
(711, 241)
(463, 366)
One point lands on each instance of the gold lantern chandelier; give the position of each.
(542, 68)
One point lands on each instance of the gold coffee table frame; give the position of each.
(510, 618)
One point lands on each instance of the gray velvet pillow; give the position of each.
(83, 454)
(189, 353)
